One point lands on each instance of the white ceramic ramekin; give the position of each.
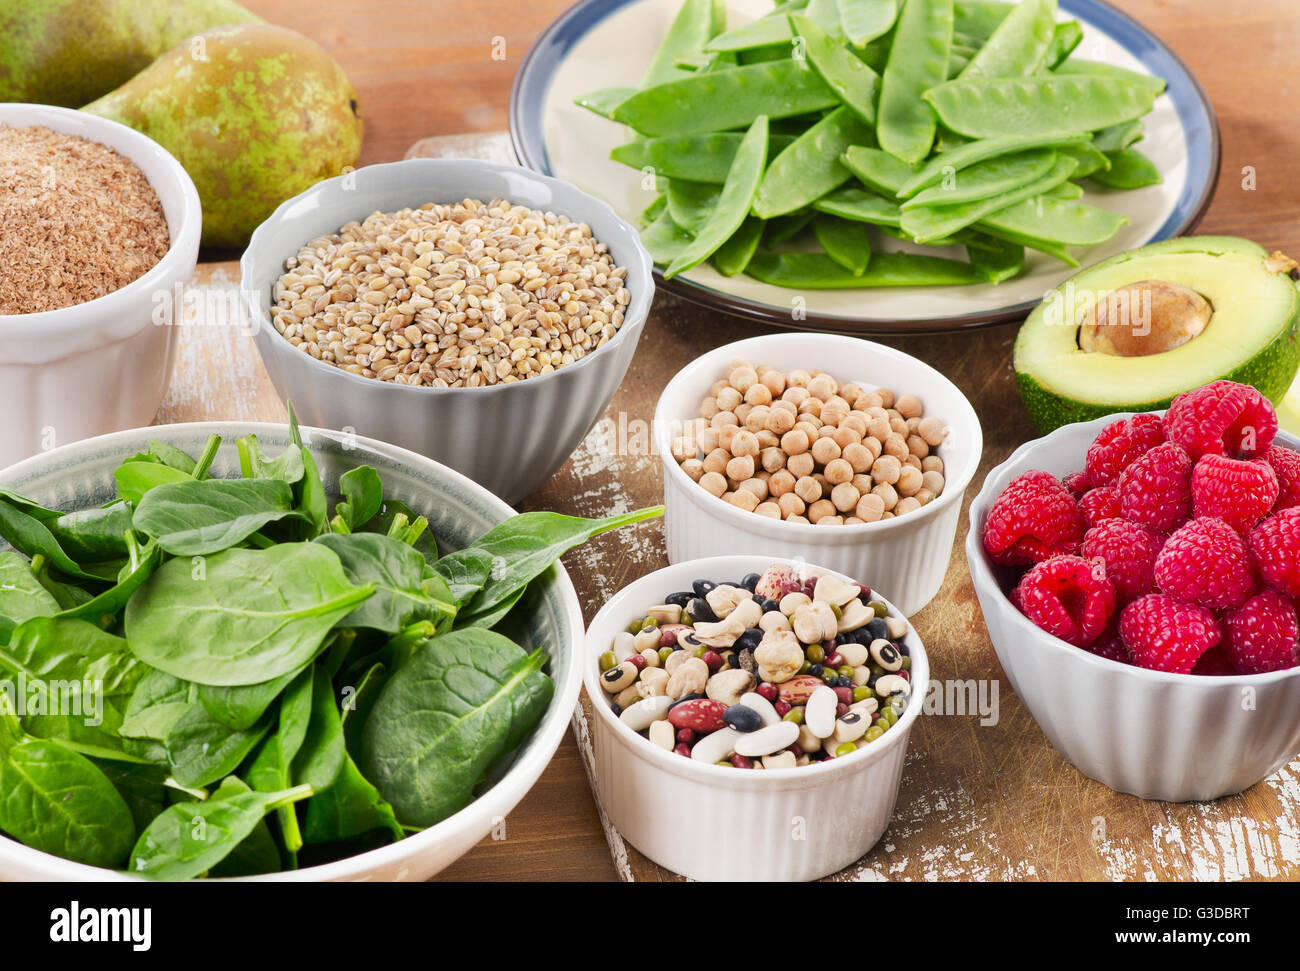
(508, 437)
(81, 475)
(102, 365)
(905, 558)
(1174, 737)
(709, 822)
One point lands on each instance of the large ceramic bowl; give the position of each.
(711, 822)
(81, 475)
(102, 365)
(508, 437)
(1175, 737)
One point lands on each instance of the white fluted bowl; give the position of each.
(905, 558)
(1172, 737)
(709, 822)
(509, 438)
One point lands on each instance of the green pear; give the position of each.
(68, 52)
(255, 113)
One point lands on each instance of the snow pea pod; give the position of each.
(785, 228)
(878, 170)
(936, 222)
(1102, 69)
(605, 100)
(1055, 250)
(1058, 220)
(651, 212)
(865, 20)
(864, 207)
(691, 204)
(994, 259)
(853, 82)
(1129, 169)
(918, 60)
(695, 24)
(734, 255)
(817, 271)
(848, 243)
(989, 178)
(1090, 160)
(734, 202)
(1065, 38)
(989, 107)
(980, 18)
(731, 98)
(1019, 45)
(810, 167)
(964, 156)
(700, 158)
(664, 240)
(774, 26)
(1066, 190)
(1116, 137)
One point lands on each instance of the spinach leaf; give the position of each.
(31, 537)
(258, 852)
(196, 518)
(21, 593)
(253, 464)
(248, 615)
(140, 786)
(28, 507)
(97, 533)
(394, 511)
(190, 838)
(57, 649)
(462, 700)
(170, 455)
(104, 608)
(520, 549)
(363, 496)
(320, 759)
(269, 768)
(406, 591)
(135, 478)
(357, 702)
(466, 571)
(57, 801)
(351, 807)
(156, 705)
(239, 706)
(201, 750)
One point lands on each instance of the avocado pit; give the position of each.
(1144, 318)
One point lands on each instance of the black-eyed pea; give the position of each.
(905, 505)
(797, 519)
(758, 394)
(780, 420)
(844, 437)
(781, 483)
(896, 445)
(709, 407)
(795, 442)
(742, 378)
(932, 463)
(716, 460)
(744, 499)
(772, 459)
(820, 509)
(800, 465)
(722, 419)
(823, 387)
(791, 504)
(932, 480)
(755, 485)
(824, 450)
(808, 489)
(917, 446)
(838, 471)
(888, 495)
(714, 483)
(932, 430)
(769, 509)
(858, 456)
(618, 677)
(773, 380)
(767, 439)
(886, 469)
(909, 481)
(693, 468)
(729, 398)
(646, 639)
(909, 406)
(870, 507)
(844, 497)
(851, 727)
(628, 696)
(756, 420)
(744, 443)
(886, 397)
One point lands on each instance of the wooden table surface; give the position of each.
(986, 803)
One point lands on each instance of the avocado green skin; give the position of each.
(255, 113)
(1271, 371)
(68, 52)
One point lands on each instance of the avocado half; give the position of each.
(1203, 307)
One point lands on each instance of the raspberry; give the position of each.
(1165, 635)
(1111, 646)
(1156, 489)
(1214, 663)
(1276, 545)
(1098, 504)
(1120, 444)
(1066, 597)
(1262, 634)
(1077, 482)
(1128, 551)
(1222, 418)
(1239, 491)
(1206, 562)
(1286, 466)
(1035, 518)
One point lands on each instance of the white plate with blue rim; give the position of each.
(605, 43)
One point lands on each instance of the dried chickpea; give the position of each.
(773, 459)
(741, 467)
(909, 481)
(823, 387)
(844, 437)
(729, 398)
(896, 446)
(794, 393)
(795, 442)
(905, 505)
(808, 489)
(800, 465)
(858, 456)
(694, 468)
(866, 400)
(873, 445)
(774, 381)
(714, 483)
(722, 419)
(886, 470)
(781, 483)
(725, 434)
(932, 430)
(769, 509)
(766, 439)
(743, 443)
(830, 521)
(824, 450)
(791, 504)
(825, 483)
(742, 377)
(810, 428)
(780, 420)
(757, 486)
(709, 408)
(838, 472)
(913, 461)
(683, 448)
(707, 440)
(932, 463)
(924, 496)
(717, 386)
(798, 378)
(820, 508)
(849, 391)
(844, 497)
(835, 410)
(745, 500)
(898, 426)
(756, 418)
(888, 494)
(762, 475)
(917, 446)
(878, 428)
(716, 461)
(886, 397)
(909, 406)
(811, 406)
(797, 519)
(758, 394)
(870, 508)
(742, 412)
(862, 483)
(933, 481)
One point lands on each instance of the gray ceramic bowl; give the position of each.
(510, 438)
(81, 475)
